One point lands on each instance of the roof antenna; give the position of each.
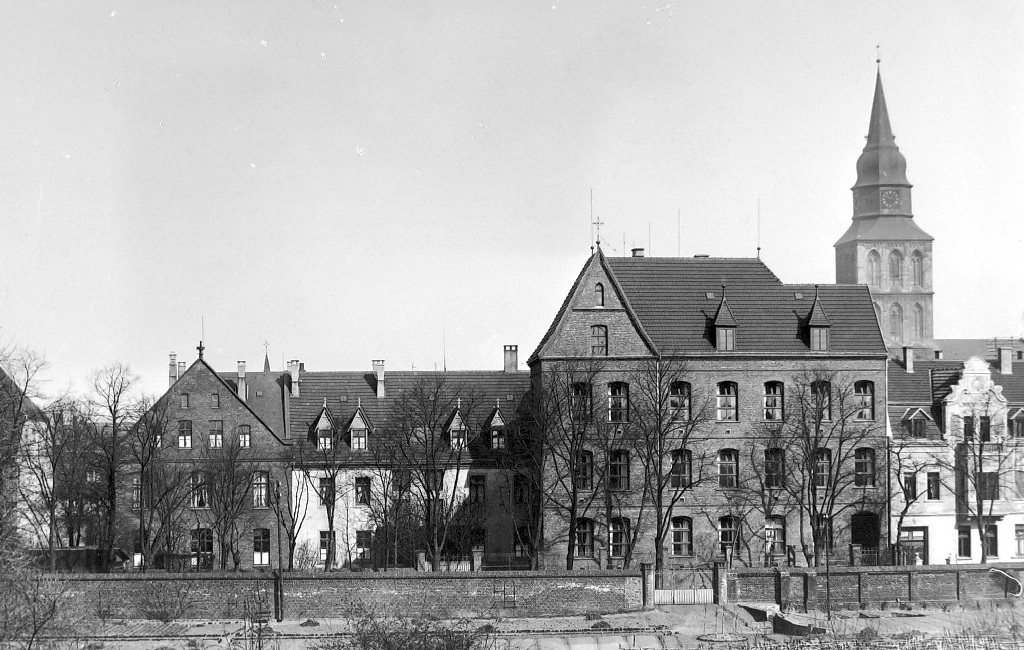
(679, 232)
(592, 221)
(649, 237)
(444, 346)
(758, 227)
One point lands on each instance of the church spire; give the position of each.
(882, 188)
(879, 130)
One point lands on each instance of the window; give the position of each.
(896, 269)
(680, 475)
(864, 467)
(679, 399)
(136, 492)
(364, 540)
(726, 338)
(864, 396)
(968, 424)
(618, 402)
(477, 489)
(260, 488)
(184, 434)
(1016, 425)
(821, 399)
(917, 268)
(934, 491)
(618, 537)
(584, 546)
(458, 437)
(599, 294)
(728, 533)
(826, 533)
(988, 485)
(201, 549)
(599, 340)
(918, 322)
(198, 496)
(216, 434)
(497, 438)
(184, 400)
(910, 486)
(773, 400)
(215, 400)
(618, 470)
(728, 468)
(819, 339)
(325, 488)
(774, 469)
(775, 536)
(963, 541)
(92, 476)
(358, 438)
(585, 471)
(896, 322)
(1018, 536)
(682, 537)
(326, 545)
(324, 439)
(362, 493)
(261, 547)
(580, 402)
(985, 429)
(991, 540)
(727, 402)
(519, 489)
(244, 436)
(874, 269)
(918, 427)
(822, 467)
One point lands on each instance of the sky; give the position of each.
(337, 182)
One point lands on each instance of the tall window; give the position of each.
(726, 339)
(682, 536)
(585, 471)
(580, 402)
(202, 549)
(477, 488)
(184, 434)
(775, 536)
(1016, 425)
(327, 540)
(821, 399)
(1018, 537)
(896, 322)
(599, 294)
(991, 540)
(874, 269)
(618, 402)
(364, 540)
(819, 339)
(326, 490)
(198, 495)
(216, 434)
(864, 467)
(325, 439)
(244, 436)
(618, 470)
(184, 400)
(679, 399)
(918, 323)
(136, 492)
(917, 268)
(727, 401)
(458, 437)
(910, 486)
(822, 467)
(728, 533)
(968, 427)
(260, 488)
(681, 473)
(774, 469)
(519, 489)
(728, 468)
(261, 547)
(934, 489)
(988, 485)
(215, 400)
(864, 396)
(896, 269)
(358, 437)
(618, 537)
(985, 428)
(826, 533)
(599, 340)
(584, 538)
(363, 490)
(963, 541)
(773, 400)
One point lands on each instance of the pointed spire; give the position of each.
(879, 129)
(724, 317)
(266, 363)
(881, 163)
(817, 317)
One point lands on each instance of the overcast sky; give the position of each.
(352, 181)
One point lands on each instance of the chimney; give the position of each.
(294, 368)
(241, 380)
(938, 355)
(908, 358)
(378, 373)
(172, 371)
(1006, 361)
(511, 358)
(638, 252)
(181, 369)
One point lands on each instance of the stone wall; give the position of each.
(853, 587)
(210, 596)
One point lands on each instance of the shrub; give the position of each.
(601, 625)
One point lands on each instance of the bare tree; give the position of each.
(290, 504)
(907, 463)
(226, 478)
(320, 458)
(19, 370)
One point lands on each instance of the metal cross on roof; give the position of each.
(598, 223)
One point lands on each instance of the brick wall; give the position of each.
(207, 596)
(852, 587)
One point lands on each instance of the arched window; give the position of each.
(864, 467)
(728, 468)
(584, 538)
(682, 536)
(618, 537)
(599, 294)
(599, 340)
(917, 269)
(727, 401)
(680, 475)
(821, 399)
(874, 269)
(896, 269)
(679, 399)
(896, 323)
(918, 322)
(773, 401)
(864, 394)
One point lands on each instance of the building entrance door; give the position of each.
(864, 529)
(913, 543)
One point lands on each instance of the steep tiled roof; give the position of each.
(931, 382)
(561, 310)
(671, 299)
(884, 228)
(963, 349)
(266, 395)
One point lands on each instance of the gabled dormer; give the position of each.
(819, 326)
(725, 326)
(915, 422)
(496, 429)
(323, 432)
(358, 429)
(455, 428)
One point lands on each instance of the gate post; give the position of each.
(720, 582)
(647, 585)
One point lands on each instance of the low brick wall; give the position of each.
(210, 596)
(860, 586)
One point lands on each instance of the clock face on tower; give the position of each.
(890, 199)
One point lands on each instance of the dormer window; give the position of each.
(497, 438)
(324, 439)
(599, 295)
(358, 439)
(725, 339)
(819, 339)
(458, 437)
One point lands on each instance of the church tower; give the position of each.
(883, 247)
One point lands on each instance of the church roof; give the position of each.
(881, 163)
(884, 228)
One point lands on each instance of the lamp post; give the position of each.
(280, 569)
